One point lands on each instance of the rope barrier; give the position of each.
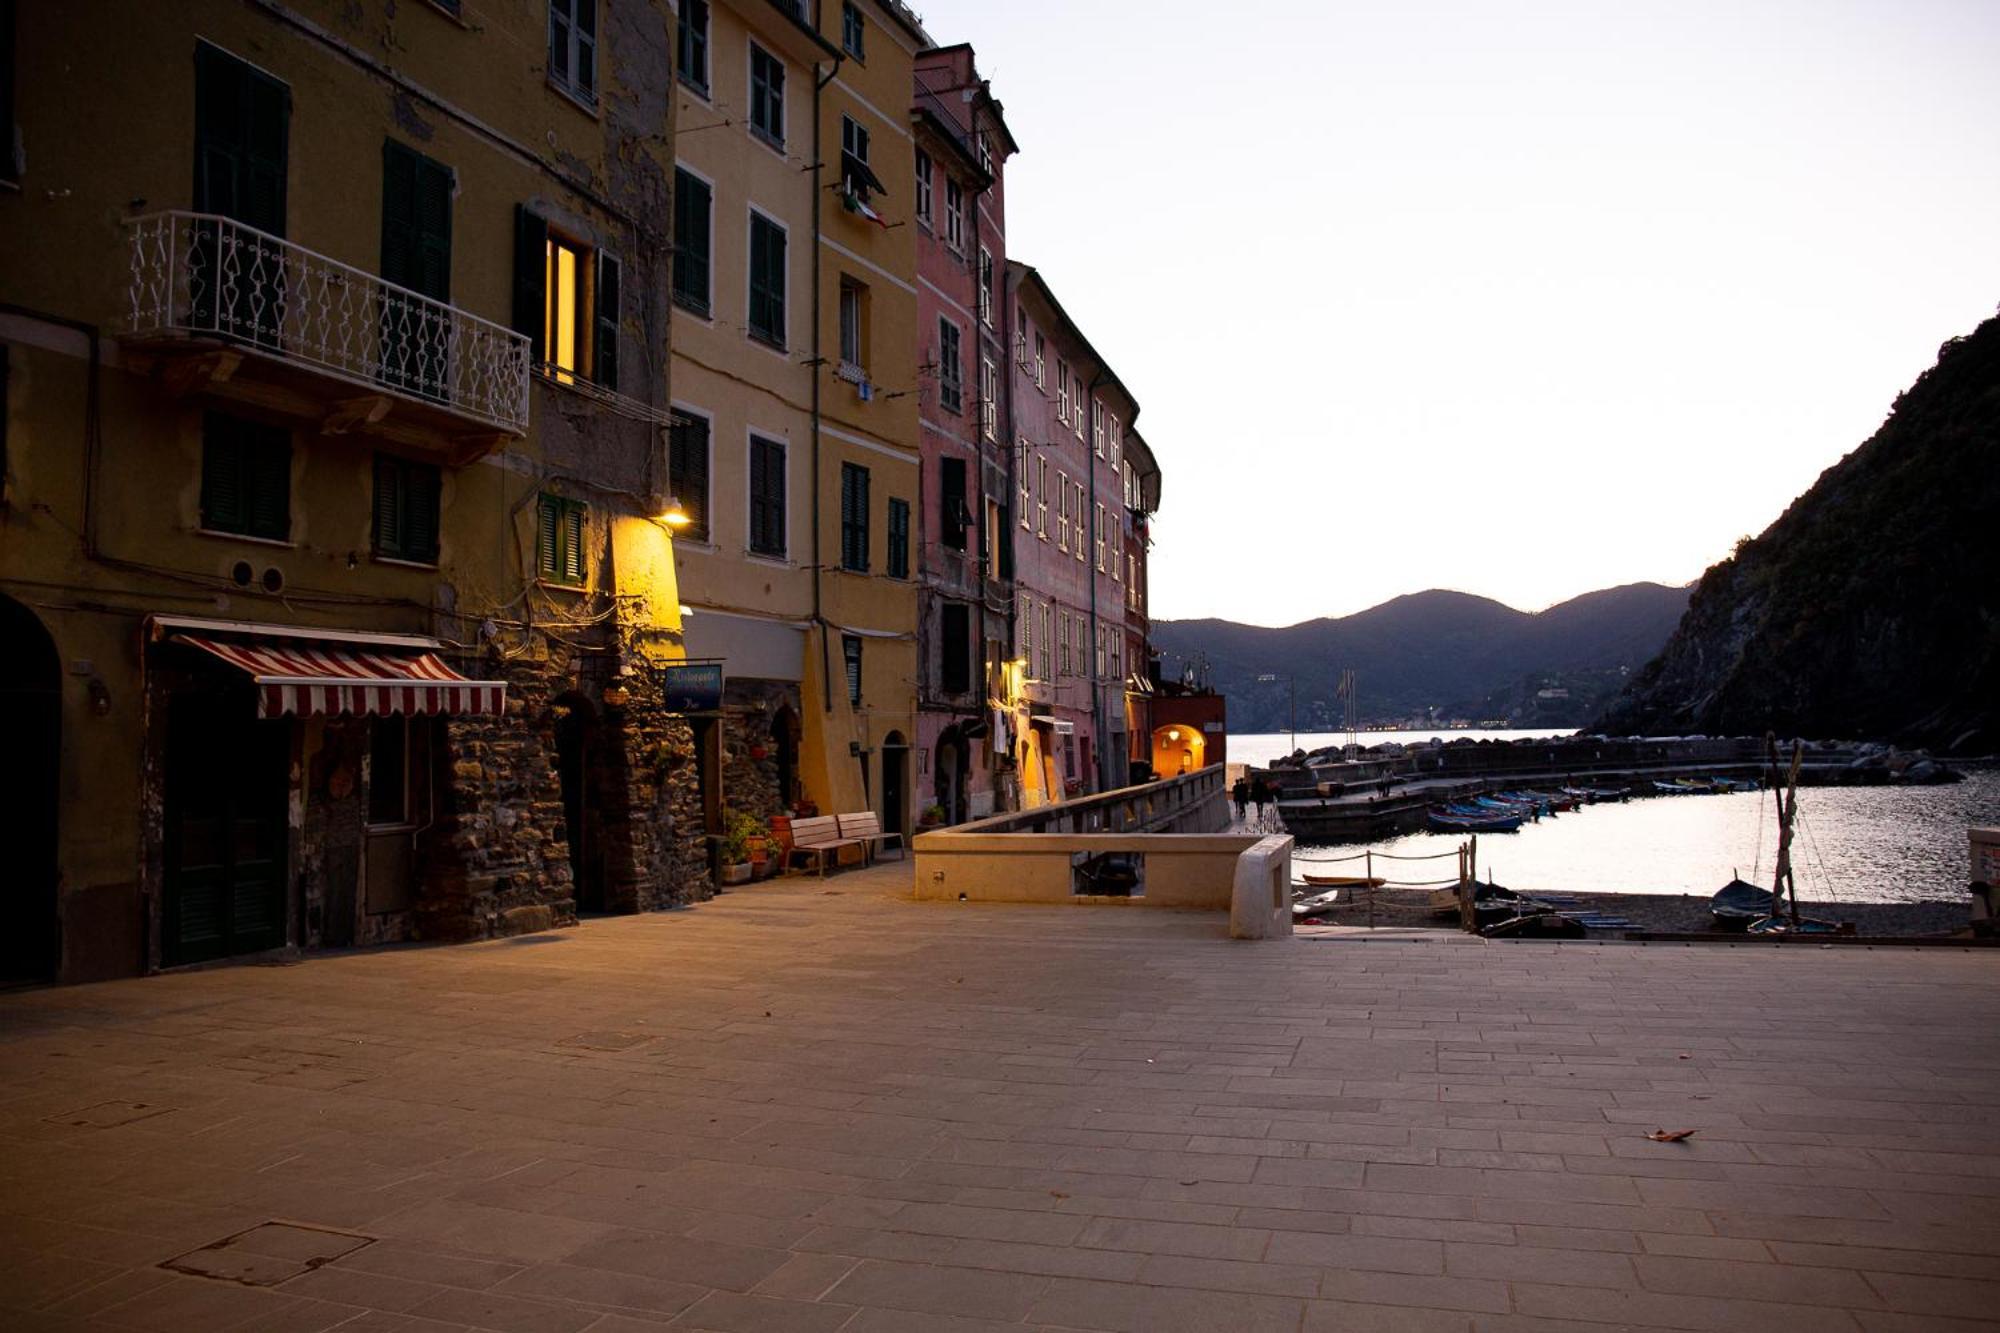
(1379, 856)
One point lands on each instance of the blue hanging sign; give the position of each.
(692, 687)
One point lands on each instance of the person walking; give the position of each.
(1240, 793)
(1260, 794)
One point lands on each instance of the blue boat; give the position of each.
(1444, 822)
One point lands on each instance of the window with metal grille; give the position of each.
(767, 280)
(853, 31)
(559, 528)
(768, 519)
(692, 45)
(687, 471)
(767, 96)
(850, 657)
(694, 211)
(573, 47)
(955, 644)
(951, 372)
(246, 478)
(406, 510)
(854, 517)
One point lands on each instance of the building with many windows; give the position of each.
(333, 567)
(964, 547)
(1079, 535)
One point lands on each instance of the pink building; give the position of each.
(962, 143)
(1083, 485)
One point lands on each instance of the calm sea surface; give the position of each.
(1854, 844)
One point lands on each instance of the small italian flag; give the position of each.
(856, 205)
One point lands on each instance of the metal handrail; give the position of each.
(205, 274)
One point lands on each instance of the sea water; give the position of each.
(1853, 844)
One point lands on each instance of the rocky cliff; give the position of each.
(1871, 608)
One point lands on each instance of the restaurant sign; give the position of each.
(692, 687)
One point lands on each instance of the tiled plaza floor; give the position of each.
(807, 1108)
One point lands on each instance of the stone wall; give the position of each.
(752, 780)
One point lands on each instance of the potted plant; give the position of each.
(733, 851)
(931, 816)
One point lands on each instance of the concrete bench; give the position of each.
(1260, 904)
(819, 839)
(864, 827)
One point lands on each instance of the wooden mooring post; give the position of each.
(1368, 882)
(1466, 918)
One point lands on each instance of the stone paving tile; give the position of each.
(790, 1110)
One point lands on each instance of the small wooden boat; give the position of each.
(1441, 822)
(1736, 904)
(1535, 926)
(1344, 881)
(1778, 925)
(1305, 907)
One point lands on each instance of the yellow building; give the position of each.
(337, 602)
(870, 487)
(794, 354)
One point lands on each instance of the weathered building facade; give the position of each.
(965, 554)
(334, 476)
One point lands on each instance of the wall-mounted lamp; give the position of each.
(1173, 733)
(676, 516)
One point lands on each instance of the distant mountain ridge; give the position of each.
(1871, 608)
(1465, 656)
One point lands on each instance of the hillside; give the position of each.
(1463, 655)
(1871, 608)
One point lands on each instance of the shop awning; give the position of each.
(1062, 728)
(316, 678)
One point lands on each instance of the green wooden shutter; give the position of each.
(531, 258)
(433, 186)
(422, 483)
(692, 203)
(271, 484)
(388, 507)
(224, 505)
(604, 366)
(572, 564)
(548, 524)
(399, 214)
(687, 473)
(270, 116)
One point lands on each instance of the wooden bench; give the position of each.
(819, 838)
(866, 829)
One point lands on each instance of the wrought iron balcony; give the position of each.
(201, 280)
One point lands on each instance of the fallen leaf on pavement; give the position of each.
(1669, 1135)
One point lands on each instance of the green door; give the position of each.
(226, 782)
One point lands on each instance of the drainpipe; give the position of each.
(1090, 571)
(818, 168)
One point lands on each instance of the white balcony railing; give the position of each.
(205, 275)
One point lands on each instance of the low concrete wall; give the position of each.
(1261, 906)
(1194, 802)
(1190, 871)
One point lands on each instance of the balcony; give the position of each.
(224, 309)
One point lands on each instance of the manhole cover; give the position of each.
(108, 1115)
(268, 1253)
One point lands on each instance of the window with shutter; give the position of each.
(854, 518)
(604, 356)
(406, 510)
(573, 47)
(559, 532)
(899, 539)
(767, 97)
(767, 280)
(531, 246)
(693, 212)
(416, 254)
(955, 634)
(768, 518)
(951, 374)
(693, 45)
(687, 471)
(850, 656)
(242, 139)
(246, 478)
(923, 187)
(953, 515)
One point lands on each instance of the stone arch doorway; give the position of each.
(895, 782)
(580, 755)
(949, 774)
(1177, 748)
(30, 778)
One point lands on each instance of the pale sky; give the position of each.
(1523, 299)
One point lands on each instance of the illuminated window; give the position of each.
(566, 300)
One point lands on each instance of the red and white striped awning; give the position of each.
(316, 679)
